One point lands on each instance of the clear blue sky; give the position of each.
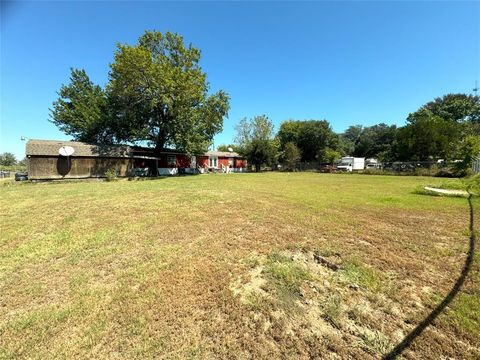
(347, 62)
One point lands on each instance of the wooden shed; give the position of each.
(88, 160)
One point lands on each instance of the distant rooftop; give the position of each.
(223, 154)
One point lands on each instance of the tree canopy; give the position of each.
(7, 159)
(375, 141)
(312, 137)
(456, 107)
(427, 137)
(156, 93)
(255, 140)
(224, 147)
(81, 110)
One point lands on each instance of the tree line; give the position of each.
(158, 95)
(9, 159)
(446, 128)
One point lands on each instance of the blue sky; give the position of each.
(347, 62)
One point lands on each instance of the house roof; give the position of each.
(51, 147)
(223, 154)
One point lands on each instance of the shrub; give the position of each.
(111, 174)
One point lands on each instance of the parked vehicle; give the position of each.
(21, 176)
(328, 168)
(372, 164)
(348, 163)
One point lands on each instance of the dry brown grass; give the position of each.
(148, 269)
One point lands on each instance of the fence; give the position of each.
(4, 174)
(398, 167)
(476, 165)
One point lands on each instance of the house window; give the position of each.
(213, 161)
(172, 160)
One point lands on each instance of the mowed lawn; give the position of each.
(211, 266)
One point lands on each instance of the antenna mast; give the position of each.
(475, 89)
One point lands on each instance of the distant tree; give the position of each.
(7, 159)
(331, 155)
(255, 141)
(159, 94)
(314, 138)
(345, 146)
(22, 162)
(82, 110)
(376, 142)
(225, 148)
(289, 132)
(427, 137)
(291, 155)
(468, 150)
(353, 133)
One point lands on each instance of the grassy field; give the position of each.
(247, 266)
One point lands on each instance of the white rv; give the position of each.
(348, 163)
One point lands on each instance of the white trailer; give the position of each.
(349, 163)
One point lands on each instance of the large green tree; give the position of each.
(160, 94)
(82, 110)
(312, 137)
(255, 140)
(156, 93)
(315, 138)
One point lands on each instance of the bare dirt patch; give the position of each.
(318, 295)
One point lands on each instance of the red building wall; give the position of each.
(183, 161)
(202, 161)
(222, 161)
(240, 163)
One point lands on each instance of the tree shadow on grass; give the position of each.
(417, 331)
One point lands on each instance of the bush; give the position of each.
(111, 174)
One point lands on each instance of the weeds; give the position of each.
(285, 277)
(374, 341)
(364, 276)
(332, 309)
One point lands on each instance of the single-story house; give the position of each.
(47, 159)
